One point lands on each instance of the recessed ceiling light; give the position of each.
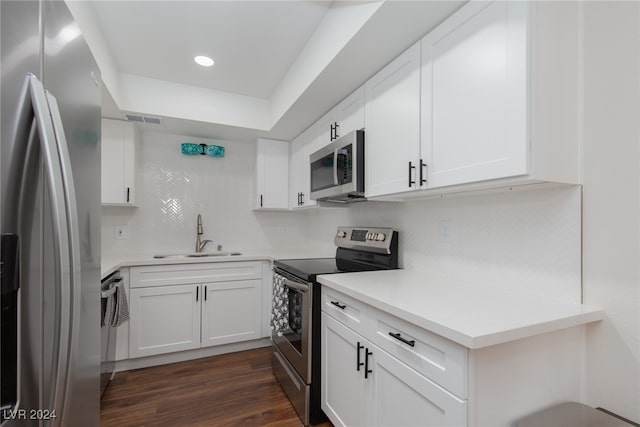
(205, 61)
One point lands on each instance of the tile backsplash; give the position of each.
(173, 188)
(530, 239)
(527, 239)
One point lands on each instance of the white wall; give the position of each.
(527, 240)
(173, 188)
(611, 272)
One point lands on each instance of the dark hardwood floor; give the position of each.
(236, 389)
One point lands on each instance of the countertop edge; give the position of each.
(587, 314)
(111, 263)
(116, 265)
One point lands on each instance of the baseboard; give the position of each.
(181, 356)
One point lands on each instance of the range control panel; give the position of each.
(373, 239)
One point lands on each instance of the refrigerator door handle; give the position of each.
(35, 115)
(74, 288)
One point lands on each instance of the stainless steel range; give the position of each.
(296, 309)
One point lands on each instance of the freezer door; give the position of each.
(59, 237)
(72, 76)
(20, 54)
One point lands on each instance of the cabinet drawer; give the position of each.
(159, 275)
(345, 309)
(441, 360)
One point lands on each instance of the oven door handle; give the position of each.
(108, 292)
(294, 285)
(335, 166)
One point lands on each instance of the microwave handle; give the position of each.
(335, 166)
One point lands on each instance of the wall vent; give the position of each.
(133, 118)
(143, 119)
(151, 120)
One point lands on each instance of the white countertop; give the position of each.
(110, 264)
(472, 315)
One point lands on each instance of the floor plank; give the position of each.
(237, 389)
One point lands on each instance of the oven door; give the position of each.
(295, 342)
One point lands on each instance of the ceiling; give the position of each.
(253, 43)
(280, 65)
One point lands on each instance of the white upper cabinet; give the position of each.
(345, 117)
(392, 125)
(272, 174)
(350, 113)
(474, 95)
(118, 163)
(299, 173)
(323, 131)
(490, 98)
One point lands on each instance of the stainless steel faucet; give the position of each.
(200, 244)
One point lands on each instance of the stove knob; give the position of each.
(380, 237)
(368, 236)
(342, 234)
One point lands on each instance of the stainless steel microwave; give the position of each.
(337, 170)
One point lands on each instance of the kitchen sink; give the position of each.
(198, 255)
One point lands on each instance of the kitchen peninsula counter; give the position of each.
(471, 314)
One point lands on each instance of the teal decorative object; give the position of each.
(214, 150)
(191, 149)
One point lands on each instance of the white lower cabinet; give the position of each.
(169, 314)
(231, 312)
(362, 385)
(343, 385)
(402, 397)
(381, 370)
(164, 319)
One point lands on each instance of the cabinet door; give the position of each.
(112, 162)
(272, 174)
(392, 122)
(322, 133)
(343, 386)
(350, 113)
(164, 319)
(231, 312)
(310, 146)
(299, 173)
(118, 163)
(296, 154)
(474, 94)
(399, 396)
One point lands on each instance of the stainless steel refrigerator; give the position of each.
(50, 218)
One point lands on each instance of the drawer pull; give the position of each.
(399, 337)
(337, 304)
(358, 362)
(367, 371)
